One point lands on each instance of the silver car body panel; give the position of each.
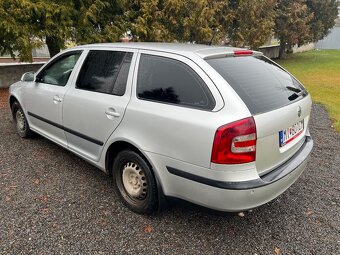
(217, 198)
(97, 117)
(167, 135)
(268, 153)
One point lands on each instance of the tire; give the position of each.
(20, 121)
(134, 182)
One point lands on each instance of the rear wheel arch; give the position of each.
(119, 146)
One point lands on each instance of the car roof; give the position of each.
(202, 50)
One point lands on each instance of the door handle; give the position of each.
(56, 99)
(112, 112)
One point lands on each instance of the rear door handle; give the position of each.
(110, 112)
(56, 99)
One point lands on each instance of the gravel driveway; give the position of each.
(52, 202)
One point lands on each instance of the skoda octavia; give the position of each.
(225, 128)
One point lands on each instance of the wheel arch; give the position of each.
(12, 100)
(117, 146)
(120, 145)
(114, 149)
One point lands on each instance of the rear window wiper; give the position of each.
(297, 93)
(296, 90)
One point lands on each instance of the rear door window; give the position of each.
(171, 81)
(261, 84)
(105, 72)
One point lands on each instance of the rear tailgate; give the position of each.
(270, 153)
(278, 102)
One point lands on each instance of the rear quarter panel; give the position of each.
(176, 132)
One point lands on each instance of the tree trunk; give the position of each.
(53, 45)
(282, 51)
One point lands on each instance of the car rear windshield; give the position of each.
(261, 84)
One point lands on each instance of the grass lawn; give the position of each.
(319, 71)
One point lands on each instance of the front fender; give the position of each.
(16, 92)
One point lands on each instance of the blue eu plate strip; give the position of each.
(281, 137)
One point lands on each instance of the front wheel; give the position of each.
(20, 120)
(135, 182)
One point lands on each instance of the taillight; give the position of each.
(243, 53)
(235, 143)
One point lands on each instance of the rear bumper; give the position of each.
(275, 175)
(238, 196)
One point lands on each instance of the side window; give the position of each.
(59, 71)
(166, 80)
(105, 72)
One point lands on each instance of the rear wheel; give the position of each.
(134, 182)
(20, 120)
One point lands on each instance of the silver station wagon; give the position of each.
(225, 128)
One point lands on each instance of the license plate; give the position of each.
(289, 134)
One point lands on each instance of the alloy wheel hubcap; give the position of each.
(20, 120)
(134, 181)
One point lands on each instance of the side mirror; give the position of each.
(27, 77)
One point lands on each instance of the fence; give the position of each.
(10, 73)
(272, 51)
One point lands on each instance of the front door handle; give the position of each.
(110, 112)
(56, 99)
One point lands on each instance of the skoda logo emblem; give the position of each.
(299, 111)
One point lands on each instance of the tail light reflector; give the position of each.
(235, 143)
